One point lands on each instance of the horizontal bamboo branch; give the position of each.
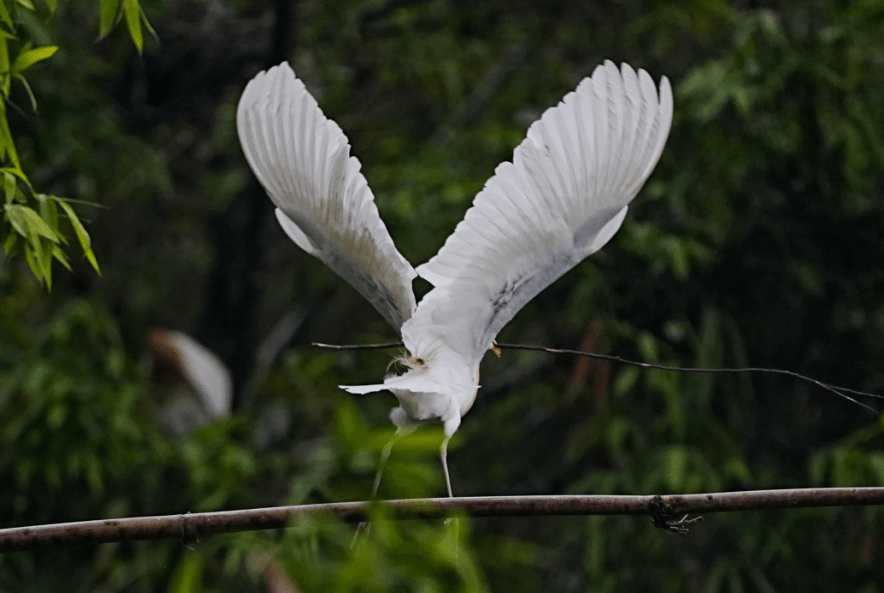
(664, 509)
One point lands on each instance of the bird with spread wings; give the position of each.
(561, 199)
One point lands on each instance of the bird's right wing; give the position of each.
(324, 204)
(561, 199)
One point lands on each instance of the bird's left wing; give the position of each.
(324, 204)
(561, 199)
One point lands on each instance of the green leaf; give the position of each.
(38, 258)
(28, 223)
(5, 17)
(7, 145)
(10, 245)
(27, 4)
(29, 57)
(17, 219)
(16, 173)
(146, 24)
(4, 63)
(49, 213)
(109, 10)
(33, 263)
(10, 187)
(59, 255)
(132, 12)
(80, 231)
(44, 257)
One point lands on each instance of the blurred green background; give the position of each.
(758, 240)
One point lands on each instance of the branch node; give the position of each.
(189, 535)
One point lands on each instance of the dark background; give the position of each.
(758, 240)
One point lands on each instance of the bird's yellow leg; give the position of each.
(452, 524)
(444, 456)
(401, 431)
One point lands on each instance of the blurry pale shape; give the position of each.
(562, 198)
(199, 366)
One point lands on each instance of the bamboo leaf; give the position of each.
(16, 173)
(132, 12)
(7, 145)
(5, 17)
(44, 258)
(4, 66)
(82, 235)
(16, 219)
(10, 245)
(10, 187)
(49, 214)
(109, 10)
(35, 254)
(29, 57)
(59, 255)
(146, 24)
(31, 258)
(27, 219)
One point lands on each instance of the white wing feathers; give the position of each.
(323, 202)
(561, 199)
(206, 374)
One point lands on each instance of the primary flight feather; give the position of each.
(562, 198)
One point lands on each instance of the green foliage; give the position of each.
(111, 11)
(390, 556)
(68, 392)
(30, 219)
(757, 242)
(38, 233)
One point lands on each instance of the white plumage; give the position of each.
(189, 360)
(562, 198)
(323, 203)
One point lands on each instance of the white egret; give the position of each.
(177, 358)
(562, 198)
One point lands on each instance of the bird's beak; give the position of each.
(495, 349)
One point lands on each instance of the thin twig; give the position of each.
(832, 388)
(837, 390)
(188, 527)
(357, 346)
